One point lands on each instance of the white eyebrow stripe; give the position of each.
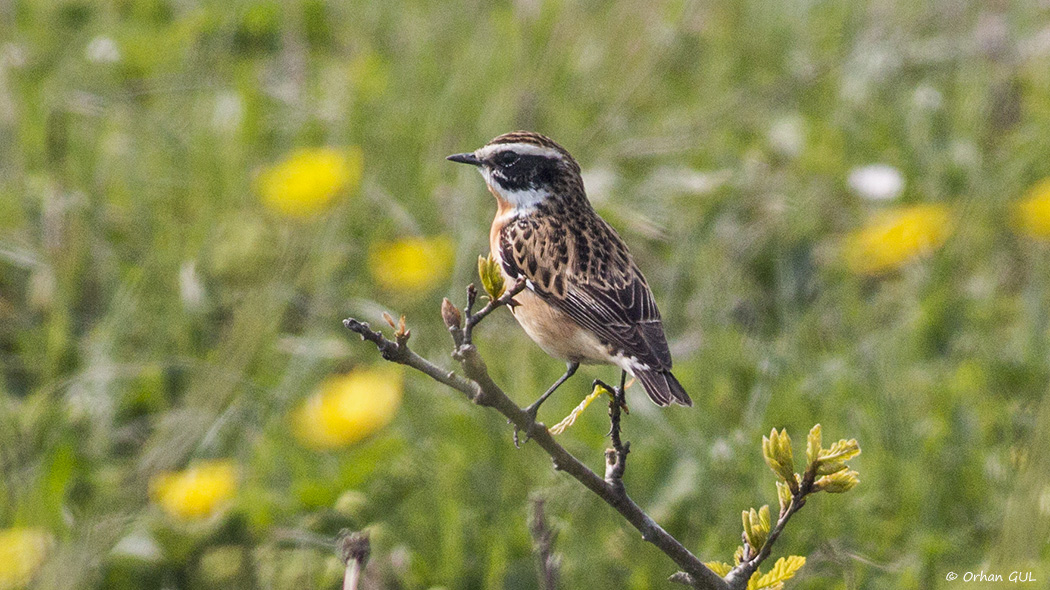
(525, 149)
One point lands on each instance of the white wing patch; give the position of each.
(628, 363)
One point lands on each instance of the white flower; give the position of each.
(102, 50)
(682, 180)
(228, 112)
(139, 545)
(787, 136)
(721, 450)
(191, 290)
(964, 154)
(877, 182)
(927, 98)
(12, 55)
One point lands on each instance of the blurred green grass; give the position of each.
(153, 313)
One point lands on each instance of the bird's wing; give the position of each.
(591, 277)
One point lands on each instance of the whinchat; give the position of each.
(585, 300)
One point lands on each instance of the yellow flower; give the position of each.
(305, 183)
(1032, 214)
(196, 492)
(897, 236)
(22, 551)
(347, 408)
(411, 264)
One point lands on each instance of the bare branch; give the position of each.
(739, 576)
(547, 563)
(481, 389)
(507, 298)
(616, 457)
(394, 352)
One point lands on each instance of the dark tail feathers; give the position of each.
(663, 388)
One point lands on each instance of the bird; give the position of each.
(585, 300)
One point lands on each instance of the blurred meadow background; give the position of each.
(840, 206)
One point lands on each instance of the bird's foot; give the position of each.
(530, 412)
(599, 383)
(616, 405)
(618, 394)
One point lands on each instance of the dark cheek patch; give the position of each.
(513, 182)
(528, 173)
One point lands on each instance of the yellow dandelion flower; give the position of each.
(196, 492)
(348, 408)
(22, 551)
(895, 237)
(411, 264)
(306, 182)
(1031, 215)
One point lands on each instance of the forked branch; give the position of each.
(478, 386)
(826, 469)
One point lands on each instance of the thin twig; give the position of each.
(481, 389)
(547, 562)
(394, 352)
(737, 578)
(474, 319)
(616, 457)
(354, 548)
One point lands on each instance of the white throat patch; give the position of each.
(523, 201)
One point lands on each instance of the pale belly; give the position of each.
(557, 334)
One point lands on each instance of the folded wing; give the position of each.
(590, 276)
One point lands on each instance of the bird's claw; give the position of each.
(531, 412)
(618, 393)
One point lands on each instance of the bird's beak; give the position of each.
(467, 158)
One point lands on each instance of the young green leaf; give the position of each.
(837, 483)
(491, 276)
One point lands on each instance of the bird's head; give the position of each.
(524, 168)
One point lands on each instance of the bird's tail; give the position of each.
(663, 388)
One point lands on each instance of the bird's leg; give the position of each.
(570, 370)
(616, 457)
(619, 401)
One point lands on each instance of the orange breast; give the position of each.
(504, 211)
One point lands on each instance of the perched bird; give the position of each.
(585, 299)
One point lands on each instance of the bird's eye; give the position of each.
(505, 159)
